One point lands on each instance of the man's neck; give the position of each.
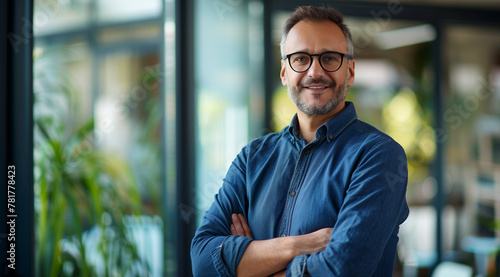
(308, 124)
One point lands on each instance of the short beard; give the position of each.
(338, 96)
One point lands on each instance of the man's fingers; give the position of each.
(246, 228)
(240, 226)
(235, 219)
(237, 225)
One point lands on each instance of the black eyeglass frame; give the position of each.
(342, 55)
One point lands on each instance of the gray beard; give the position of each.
(339, 95)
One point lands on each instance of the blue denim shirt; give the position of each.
(352, 177)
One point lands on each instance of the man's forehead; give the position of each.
(318, 36)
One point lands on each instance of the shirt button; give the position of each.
(330, 137)
(292, 193)
(283, 235)
(307, 151)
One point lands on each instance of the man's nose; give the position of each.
(315, 70)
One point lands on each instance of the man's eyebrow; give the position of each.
(323, 50)
(326, 50)
(300, 50)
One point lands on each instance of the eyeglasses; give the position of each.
(330, 61)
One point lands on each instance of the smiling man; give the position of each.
(323, 197)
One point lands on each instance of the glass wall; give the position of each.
(393, 92)
(98, 138)
(472, 138)
(228, 87)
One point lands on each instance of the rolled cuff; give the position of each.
(227, 255)
(297, 267)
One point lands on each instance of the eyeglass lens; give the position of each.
(302, 61)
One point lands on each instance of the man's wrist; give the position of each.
(292, 246)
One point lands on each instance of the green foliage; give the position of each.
(78, 190)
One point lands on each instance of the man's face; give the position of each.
(317, 91)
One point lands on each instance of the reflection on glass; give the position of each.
(227, 86)
(405, 36)
(52, 17)
(127, 10)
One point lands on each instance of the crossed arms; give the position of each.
(362, 242)
(265, 257)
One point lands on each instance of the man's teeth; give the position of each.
(316, 87)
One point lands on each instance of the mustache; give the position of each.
(319, 81)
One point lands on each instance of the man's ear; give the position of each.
(283, 73)
(352, 65)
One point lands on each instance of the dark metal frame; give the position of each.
(185, 136)
(16, 139)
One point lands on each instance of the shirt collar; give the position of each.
(333, 127)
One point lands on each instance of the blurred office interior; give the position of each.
(139, 107)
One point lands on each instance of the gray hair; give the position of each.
(316, 14)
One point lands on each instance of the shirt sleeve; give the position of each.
(297, 267)
(214, 252)
(368, 222)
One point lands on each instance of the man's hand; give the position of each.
(240, 226)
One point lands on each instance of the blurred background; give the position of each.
(139, 107)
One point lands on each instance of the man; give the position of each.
(323, 197)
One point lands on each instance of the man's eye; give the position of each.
(301, 59)
(330, 58)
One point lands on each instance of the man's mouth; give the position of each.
(316, 87)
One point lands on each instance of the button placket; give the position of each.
(294, 186)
